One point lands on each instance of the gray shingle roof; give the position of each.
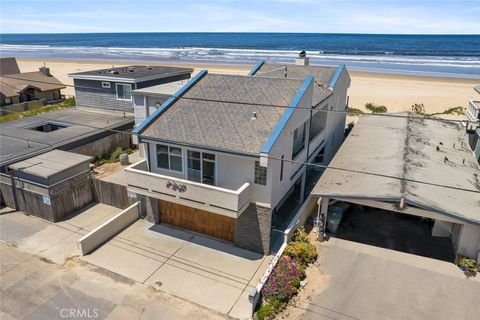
(201, 118)
(323, 75)
(12, 85)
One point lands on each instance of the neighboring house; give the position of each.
(225, 154)
(112, 88)
(27, 86)
(473, 114)
(8, 66)
(147, 100)
(407, 165)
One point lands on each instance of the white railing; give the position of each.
(473, 110)
(233, 200)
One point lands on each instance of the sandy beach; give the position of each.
(397, 92)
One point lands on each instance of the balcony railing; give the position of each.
(143, 181)
(473, 110)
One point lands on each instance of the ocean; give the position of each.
(438, 55)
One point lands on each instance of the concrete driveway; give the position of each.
(53, 241)
(200, 269)
(32, 289)
(366, 282)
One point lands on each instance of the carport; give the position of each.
(405, 168)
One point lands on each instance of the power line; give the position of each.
(280, 106)
(258, 155)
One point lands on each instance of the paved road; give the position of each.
(371, 283)
(34, 289)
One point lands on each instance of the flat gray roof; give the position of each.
(201, 117)
(167, 89)
(13, 134)
(477, 88)
(407, 148)
(50, 163)
(323, 76)
(134, 73)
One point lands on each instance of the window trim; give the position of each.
(124, 84)
(168, 156)
(106, 85)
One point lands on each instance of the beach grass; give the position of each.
(68, 103)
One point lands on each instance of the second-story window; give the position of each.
(281, 168)
(124, 91)
(260, 174)
(169, 158)
(298, 140)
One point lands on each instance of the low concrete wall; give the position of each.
(107, 230)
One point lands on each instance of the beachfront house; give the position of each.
(17, 87)
(225, 156)
(112, 88)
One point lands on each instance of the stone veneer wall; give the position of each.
(252, 229)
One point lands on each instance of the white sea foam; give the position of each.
(218, 55)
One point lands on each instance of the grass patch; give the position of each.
(353, 111)
(374, 108)
(68, 103)
(419, 108)
(114, 156)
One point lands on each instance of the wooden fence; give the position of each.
(112, 194)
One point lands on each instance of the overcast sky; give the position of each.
(342, 16)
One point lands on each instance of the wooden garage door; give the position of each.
(197, 220)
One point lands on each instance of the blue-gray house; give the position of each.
(112, 88)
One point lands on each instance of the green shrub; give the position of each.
(458, 111)
(468, 265)
(300, 235)
(418, 108)
(268, 309)
(373, 108)
(354, 111)
(303, 252)
(114, 156)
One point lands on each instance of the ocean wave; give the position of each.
(219, 55)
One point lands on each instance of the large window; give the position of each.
(169, 158)
(319, 121)
(260, 174)
(124, 91)
(298, 140)
(201, 167)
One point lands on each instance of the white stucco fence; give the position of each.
(108, 229)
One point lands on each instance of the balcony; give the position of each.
(218, 200)
(473, 111)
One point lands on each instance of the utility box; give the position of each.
(50, 186)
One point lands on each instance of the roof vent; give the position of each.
(113, 71)
(149, 67)
(130, 69)
(254, 116)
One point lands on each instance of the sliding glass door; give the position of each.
(201, 167)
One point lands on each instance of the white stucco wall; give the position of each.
(469, 240)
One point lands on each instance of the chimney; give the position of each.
(46, 71)
(302, 59)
